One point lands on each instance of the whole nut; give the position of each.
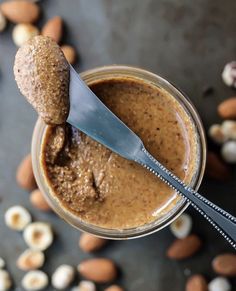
(216, 134)
(20, 11)
(35, 280)
(70, 53)
(227, 108)
(38, 201)
(98, 270)
(228, 151)
(90, 243)
(219, 284)
(17, 217)
(229, 129)
(23, 32)
(2, 263)
(229, 74)
(196, 283)
(184, 248)
(216, 168)
(114, 288)
(63, 277)
(5, 280)
(182, 226)
(53, 28)
(30, 260)
(225, 264)
(85, 286)
(3, 22)
(24, 174)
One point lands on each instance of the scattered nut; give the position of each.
(5, 280)
(38, 201)
(53, 28)
(114, 288)
(227, 108)
(35, 280)
(229, 74)
(90, 243)
(85, 286)
(3, 22)
(228, 151)
(196, 283)
(70, 53)
(216, 168)
(2, 263)
(25, 175)
(23, 32)
(38, 235)
(219, 284)
(225, 264)
(98, 270)
(30, 260)
(229, 129)
(17, 217)
(63, 277)
(20, 11)
(182, 226)
(184, 248)
(216, 133)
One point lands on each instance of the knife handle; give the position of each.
(223, 222)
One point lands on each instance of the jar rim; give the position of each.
(146, 229)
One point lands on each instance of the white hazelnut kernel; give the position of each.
(17, 217)
(38, 235)
(30, 260)
(229, 74)
(229, 129)
(2, 263)
(219, 284)
(228, 151)
(3, 22)
(182, 226)
(5, 280)
(216, 134)
(23, 32)
(34, 280)
(63, 276)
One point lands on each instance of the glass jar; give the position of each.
(101, 74)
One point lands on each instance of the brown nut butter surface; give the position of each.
(105, 189)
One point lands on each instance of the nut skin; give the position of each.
(53, 28)
(20, 11)
(225, 264)
(70, 53)
(98, 270)
(227, 108)
(184, 248)
(24, 174)
(114, 288)
(90, 243)
(196, 283)
(216, 168)
(42, 75)
(38, 201)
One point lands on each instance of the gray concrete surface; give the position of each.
(188, 42)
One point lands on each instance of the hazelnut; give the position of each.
(23, 32)
(216, 133)
(219, 284)
(38, 201)
(35, 280)
(182, 226)
(30, 260)
(229, 74)
(63, 277)
(3, 22)
(228, 151)
(17, 217)
(5, 280)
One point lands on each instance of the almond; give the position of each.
(98, 270)
(225, 264)
(20, 11)
(70, 53)
(114, 288)
(196, 283)
(53, 28)
(184, 248)
(90, 243)
(25, 175)
(38, 201)
(227, 108)
(216, 168)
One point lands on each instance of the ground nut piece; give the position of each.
(182, 226)
(196, 283)
(2, 263)
(114, 288)
(23, 32)
(37, 199)
(25, 175)
(17, 217)
(229, 129)
(70, 53)
(219, 284)
(34, 280)
(5, 280)
(228, 151)
(3, 22)
(30, 260)
(63, 277)
(90, 243)
(38, 235)
(216, 134)
(225, 264)
(229, 74)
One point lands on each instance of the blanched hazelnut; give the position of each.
(229, 74)
(182, 226)
(228, 151)
(3, 22)
(229, 129)
(23, 32)
(30, 260)
(219, 284)
(17, 217)
(35, 280)
(85, 285)
(2, 263)
(63, 277)
(216, 133)
(5, 280)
